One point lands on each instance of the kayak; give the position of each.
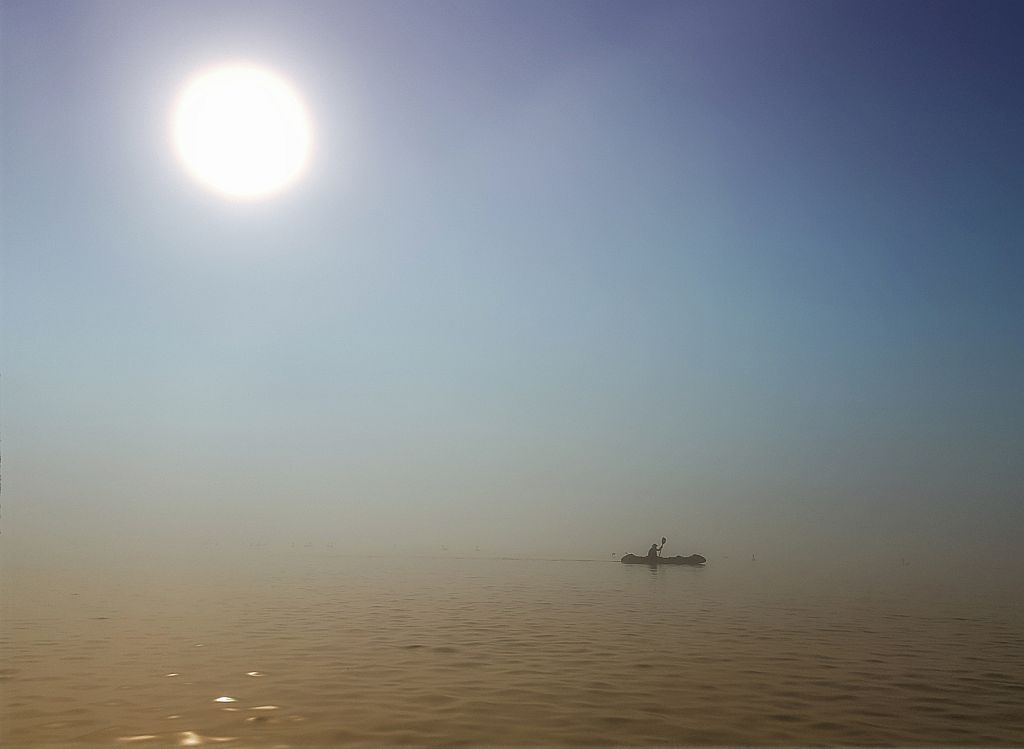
(694, 560)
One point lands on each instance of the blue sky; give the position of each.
(562, 276)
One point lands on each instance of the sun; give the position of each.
(242, 131)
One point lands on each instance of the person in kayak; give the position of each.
(655, 551)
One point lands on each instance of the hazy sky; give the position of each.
(563, 278)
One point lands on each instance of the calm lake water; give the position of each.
(313, 648)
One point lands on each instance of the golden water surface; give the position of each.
(327, 650)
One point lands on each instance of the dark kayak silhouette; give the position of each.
(694, 560)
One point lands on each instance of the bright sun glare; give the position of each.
(242, 131)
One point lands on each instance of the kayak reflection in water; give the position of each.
(655, 551)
